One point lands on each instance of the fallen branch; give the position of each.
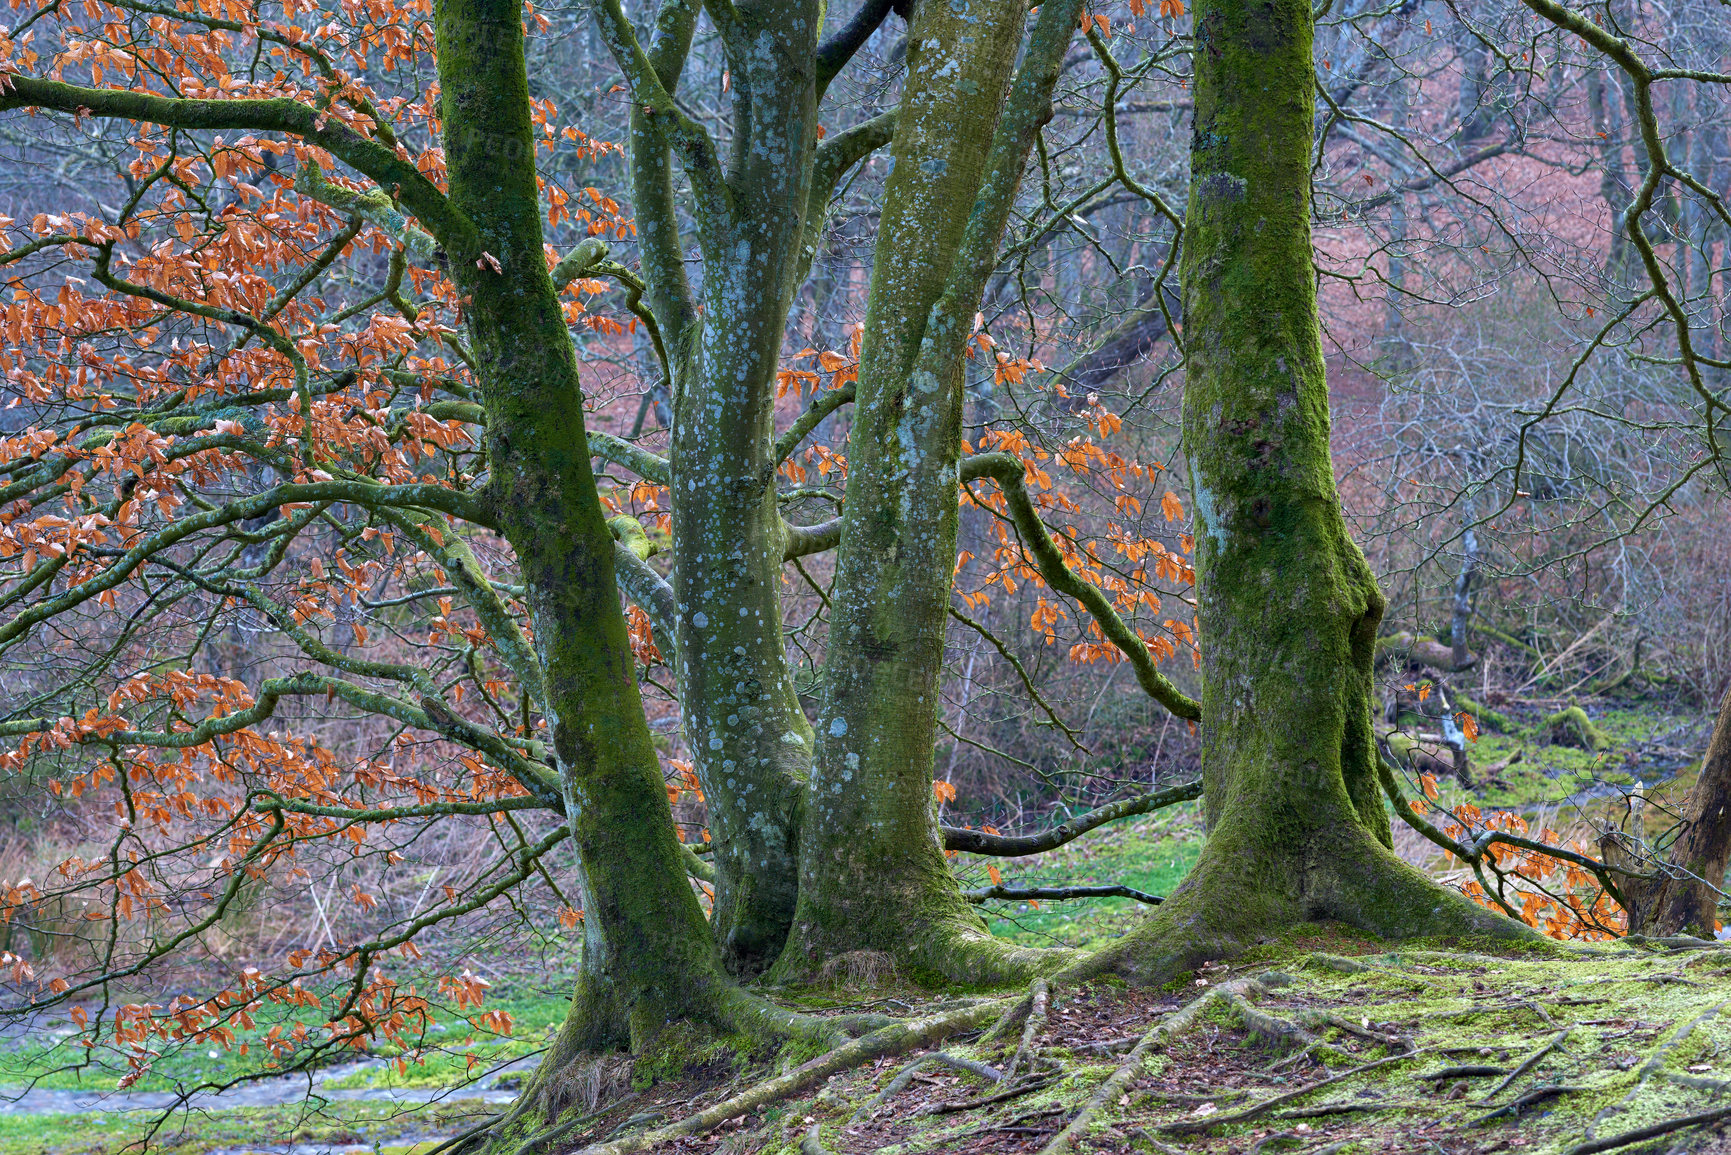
(1058, 893)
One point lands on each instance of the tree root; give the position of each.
(1257, 1110)
(1651, 1067)
(1038, 1008)
(906, 1075)
(1610, 1142)
(1064, 1141)
(1026, 1087)
(879, 1044)
(1524, 1066)
(1532, 1098)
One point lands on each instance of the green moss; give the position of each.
(1572, 727)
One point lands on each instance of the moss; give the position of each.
(1572, 727)
(1484, 715)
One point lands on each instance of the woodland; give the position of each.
(937, 575)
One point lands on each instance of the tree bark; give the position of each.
(1287, 605)
(744, 726)
(649, 959)
(1685, 898)
(872, 868)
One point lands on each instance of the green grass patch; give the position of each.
(1152, 854)
(391, 1130)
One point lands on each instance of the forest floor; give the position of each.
(1319, 1044)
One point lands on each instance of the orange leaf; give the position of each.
(1171, 506)
(1469, 725)
(1429, 784)
(997, 879)
(944, 791)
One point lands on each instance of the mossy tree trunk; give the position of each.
(1287, 606)
(872, 871)
(753, 212)
(744, 726)
(650, 958)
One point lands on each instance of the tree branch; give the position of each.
(1058, 893)
(835, 52)
(1017, 845)
(1008, 472)
(383, 166)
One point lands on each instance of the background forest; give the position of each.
(826, 531)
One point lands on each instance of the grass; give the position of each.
(1151, 855)
(381, 1128)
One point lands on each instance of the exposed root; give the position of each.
(1025, 1087)
(1526, 1065)
(1531, 1099)
(1038, 1008)
(1065, 1141)
(1257, 1110)
(1611, 1142)
(1259, 1023)
(1653, 1065)
(879, 1044)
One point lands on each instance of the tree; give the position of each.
(1287, 607)
(1682, 894)
(649, 958)
(234, 431)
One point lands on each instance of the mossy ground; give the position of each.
(1650, 743)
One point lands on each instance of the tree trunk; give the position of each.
(743, 722)
(872, 869)
(1684, 900)
(1287, 605)
(650, 960)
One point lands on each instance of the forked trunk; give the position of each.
(872, 872)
